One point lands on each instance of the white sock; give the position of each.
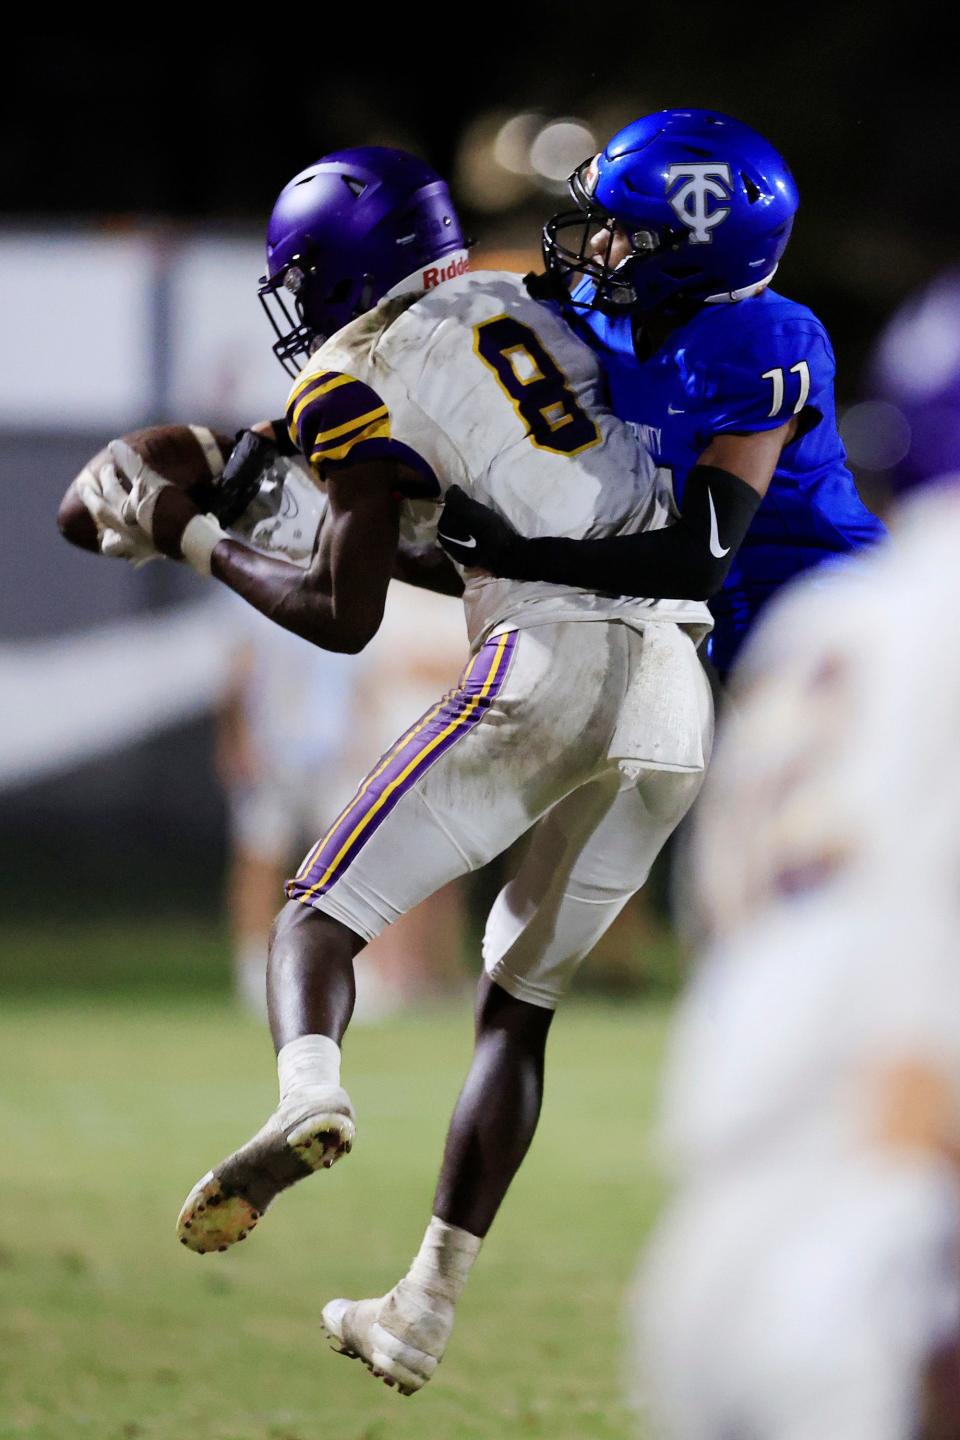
(444, 1260)
(308, 1063)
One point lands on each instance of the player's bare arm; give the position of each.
(428, 568)
(338, 602)
(751, 458)
(689, 559)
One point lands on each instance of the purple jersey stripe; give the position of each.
(384, 448)
(330, 410)
(457, 714)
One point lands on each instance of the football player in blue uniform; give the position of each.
(664, 268)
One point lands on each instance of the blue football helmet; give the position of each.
(704, 203)
(344, 233)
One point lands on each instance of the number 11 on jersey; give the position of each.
(776, 378)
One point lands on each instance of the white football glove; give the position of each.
(104, 497)
(200, 536)
(145, 486)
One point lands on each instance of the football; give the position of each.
(183, 454)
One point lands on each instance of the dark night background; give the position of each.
(208, 127)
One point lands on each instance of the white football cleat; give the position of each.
(400, 1337)
(308, 1132)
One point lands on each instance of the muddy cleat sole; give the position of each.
(356, 1329)
(229, 1201)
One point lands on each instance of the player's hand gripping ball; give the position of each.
(188, 456)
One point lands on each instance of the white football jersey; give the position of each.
(477, 384)
(838, 757)
(806, 1269)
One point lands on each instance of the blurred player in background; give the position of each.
(665, 268)
(295, 727)
(282, 756)
(586, 717)
(805, 1280)
(916, 369)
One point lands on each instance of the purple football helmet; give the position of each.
(705, 203)
(347, 231)
(916, 368)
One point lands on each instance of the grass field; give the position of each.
(114, 1102)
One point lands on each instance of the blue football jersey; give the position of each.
(742, 368)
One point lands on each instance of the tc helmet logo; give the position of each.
(703, 182)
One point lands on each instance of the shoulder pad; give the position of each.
(329, 414)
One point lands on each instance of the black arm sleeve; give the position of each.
(687, 560)
(248, 462)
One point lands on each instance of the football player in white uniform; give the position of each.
(585, 716)
(804, 1283)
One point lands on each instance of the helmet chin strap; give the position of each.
(730, 297)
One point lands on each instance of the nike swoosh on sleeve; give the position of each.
(468, 544)
(716, 549)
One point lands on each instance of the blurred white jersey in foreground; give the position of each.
(804, 1283)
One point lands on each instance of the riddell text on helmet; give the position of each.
(435, 274)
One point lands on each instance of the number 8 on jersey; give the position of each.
(535, 386)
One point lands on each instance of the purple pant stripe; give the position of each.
(457, 714)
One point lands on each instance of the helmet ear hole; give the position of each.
(339, 292)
